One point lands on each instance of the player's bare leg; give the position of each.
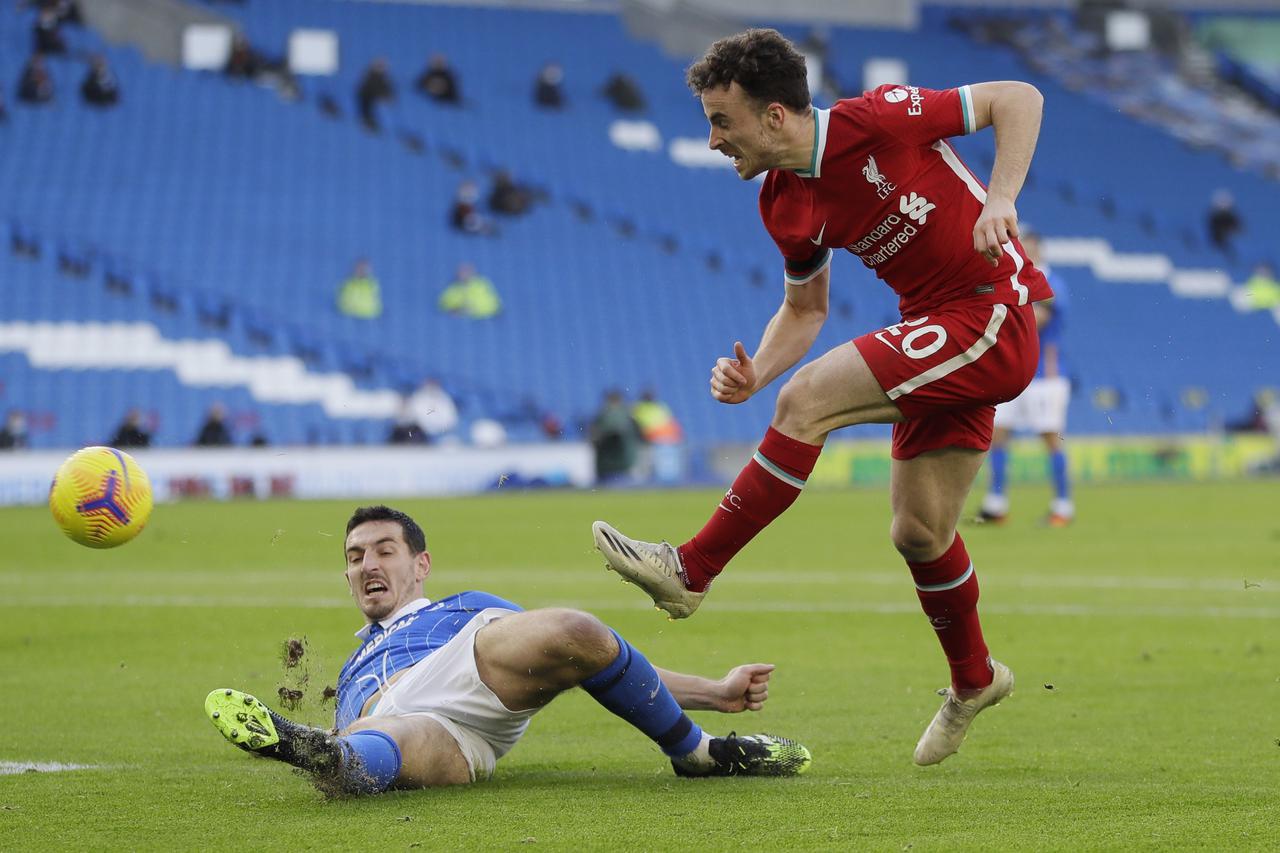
(835, 390)
(527, 659)
(429, 755)
(927, 494)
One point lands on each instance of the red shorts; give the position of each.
(946, 372)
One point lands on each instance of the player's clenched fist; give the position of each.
(733, 380)
(745, 688)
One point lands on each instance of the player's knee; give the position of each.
(795, 411)
(581, 637)
(916, 540)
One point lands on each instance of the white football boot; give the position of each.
(654, 567)
(947, 731)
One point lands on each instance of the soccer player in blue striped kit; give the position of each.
(438, 691)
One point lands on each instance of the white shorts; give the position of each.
(1041, 408)
(446, 687)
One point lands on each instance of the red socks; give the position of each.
(948, 591)
(770, 483)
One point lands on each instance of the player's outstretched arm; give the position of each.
(786, 339)
(1014, 110)
(744, 688)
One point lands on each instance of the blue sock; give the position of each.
(999, 465)
(1058, 470)
(630, 687)
(370, 761)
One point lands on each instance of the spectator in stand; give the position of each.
(662, 436)
(66, 11)
(624, 93)
(551, 426)
(548, 89)
(465, 214)
(508, 197)
(243, 62)
(658, 424)
(130, 433)
(1262, 290)
(471, 295)
(616, 438)
(439, 81)
(406, 429)
(214, 431)
(434, 409)
(47, 35)
(1224, 223)
(375, 87)
(35, 86)
(14, 434)
(100, 86)
(361, 295)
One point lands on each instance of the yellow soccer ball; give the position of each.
(100, 497)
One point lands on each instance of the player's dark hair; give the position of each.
(762, 62)
(413, 535)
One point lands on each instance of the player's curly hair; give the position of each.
(762, 62)
(413, 535)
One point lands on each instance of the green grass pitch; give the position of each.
(1145, 641)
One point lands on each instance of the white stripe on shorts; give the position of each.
(951, 365)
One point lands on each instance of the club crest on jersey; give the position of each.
(874, 176)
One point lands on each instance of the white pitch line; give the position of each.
(13, 768)
(1116, 611)
(1041, 578)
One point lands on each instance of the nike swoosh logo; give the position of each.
(817, 241)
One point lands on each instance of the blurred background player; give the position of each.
(456, 688)
(1041, 409)
(873, 175)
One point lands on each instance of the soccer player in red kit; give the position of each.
(873, 175)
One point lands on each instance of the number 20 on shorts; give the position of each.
(921, 342)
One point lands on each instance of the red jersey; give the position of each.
(885, 185)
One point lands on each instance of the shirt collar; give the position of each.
(821, 119)
(412, 607)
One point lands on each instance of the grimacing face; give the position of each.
(382, 573)
(741, 129)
